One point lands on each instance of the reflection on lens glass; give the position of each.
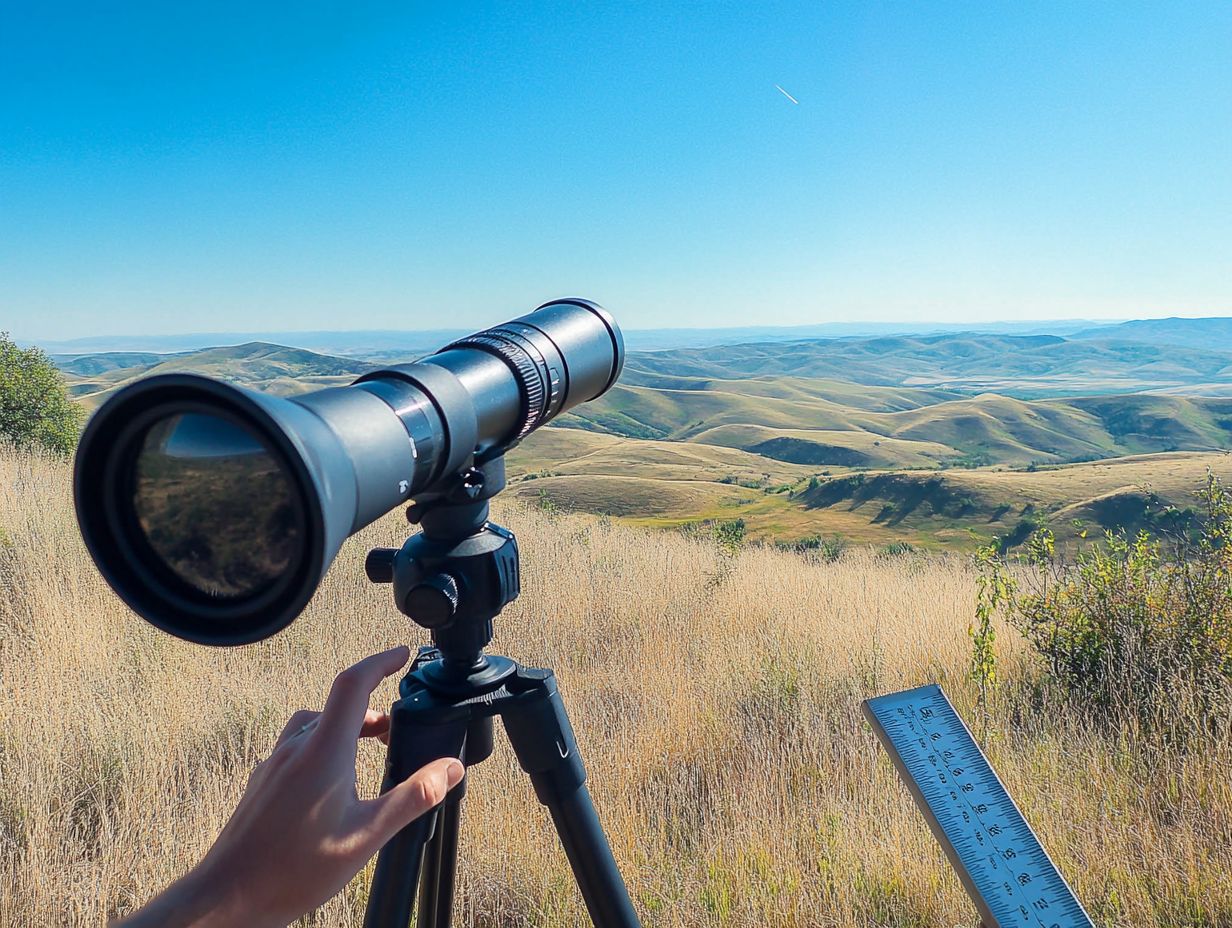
(216, 505)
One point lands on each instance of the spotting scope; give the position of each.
(214, 511)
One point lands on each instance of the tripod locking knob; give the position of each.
(433, 601)
(379, 565)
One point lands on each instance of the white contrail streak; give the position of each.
(787, 95)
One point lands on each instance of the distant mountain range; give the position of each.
(1214, 332)
(273, 368)
(1018, 365)
(783, 432)
(376, 344)
(1210, 332)
(895, 401)
(391, 343)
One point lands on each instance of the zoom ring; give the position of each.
(530, 375)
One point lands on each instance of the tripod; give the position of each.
(453, 578)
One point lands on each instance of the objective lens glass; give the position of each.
(216, 506)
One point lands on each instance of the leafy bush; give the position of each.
(815, 547)
(35, 409)
(543, 472)
(970, 460)
(897, 549)
(729, 535)
(1138, 628)
(546, 504)
(993, 589)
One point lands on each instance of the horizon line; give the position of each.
(972, 325)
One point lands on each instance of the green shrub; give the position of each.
(994, 589)
(897, 549)
(816, 547)
(545, 503)
(729, 535)
(1137, 628)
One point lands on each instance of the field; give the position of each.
(987, 428)
(940, 441)
(715, 697)
(274, 368)
(662, 484)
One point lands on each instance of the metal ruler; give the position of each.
(1001, 863)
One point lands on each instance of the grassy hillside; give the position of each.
(714, 695)
(1206, 333)
(955, 390)
(800, 389)
(836, 448)
(1154, 421)
(94, 364)
(555, 451)
(749, 431)
(272, 368)
(984, 429)
(674, 484)
(1028, 365)
(1148, 491)
(645, 412)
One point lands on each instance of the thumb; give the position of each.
(414, 796)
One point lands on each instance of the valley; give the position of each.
(937, 440)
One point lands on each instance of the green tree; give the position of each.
(35, 408)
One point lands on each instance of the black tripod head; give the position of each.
(455, 575)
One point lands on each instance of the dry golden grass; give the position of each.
(715, 699)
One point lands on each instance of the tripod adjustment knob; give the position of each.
(433, 601)
(379, 565)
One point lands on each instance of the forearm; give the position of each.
(193, 901)
(301, 833)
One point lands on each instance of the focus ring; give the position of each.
(529, 374)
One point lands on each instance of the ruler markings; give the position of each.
(1000, 861)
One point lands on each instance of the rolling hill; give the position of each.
(1130, 493)
(402, 343)
(956, 508)
(758, 416)
(272, 368)
(555, 451)
(1019, 365)
(1203, 333)
(872, 439)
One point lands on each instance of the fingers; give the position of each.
(376, 725)
(295, 724)
(394, 810)
(346, 709)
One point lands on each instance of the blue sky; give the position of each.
(192, 167)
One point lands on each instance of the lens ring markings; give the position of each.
(528, 366)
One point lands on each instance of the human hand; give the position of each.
(301, 832)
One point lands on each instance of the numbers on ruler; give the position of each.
(982, 826)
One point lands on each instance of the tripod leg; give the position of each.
(590, 857)
(430, 876)
(418, 735)
(540, 733)
(451, 818)
(441, 864)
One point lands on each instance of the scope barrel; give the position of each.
(214, 510)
